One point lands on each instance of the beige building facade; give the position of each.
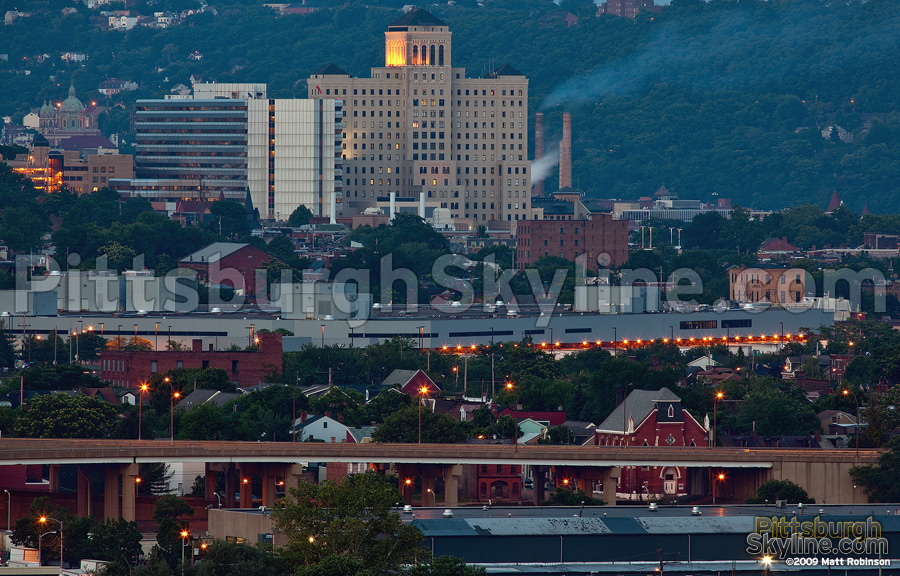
(420, 126)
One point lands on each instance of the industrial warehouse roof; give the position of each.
(595, 521)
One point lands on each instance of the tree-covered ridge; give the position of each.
(719, 97)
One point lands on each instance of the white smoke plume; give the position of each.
(542, 167)
(711, 54)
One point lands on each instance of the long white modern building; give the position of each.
(231, 141)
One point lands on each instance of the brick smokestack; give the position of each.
(539, 148)
(565, 153)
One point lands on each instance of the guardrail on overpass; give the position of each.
(80, 451)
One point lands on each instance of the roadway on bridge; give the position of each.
(80, 451)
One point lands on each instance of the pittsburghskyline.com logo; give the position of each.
(818, 541)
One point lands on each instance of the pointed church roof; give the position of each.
(834, 203)
(415, 17)
(865, 211)
(331, 69)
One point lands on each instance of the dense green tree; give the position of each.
(170, 514)
(116, 541)
(230, 559)
(566, 497)
(300, 216)
(205, 422)
(403, 426)
(445, 566)
(775, 411)
(65, 416)
(353, 518)
(780, 490)
(880, 482)
(230, 219)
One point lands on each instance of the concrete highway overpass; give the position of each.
(824, 474)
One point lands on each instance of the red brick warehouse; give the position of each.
(245, 368)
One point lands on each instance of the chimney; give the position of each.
(539, 148)
(303, 417)
(565, 153)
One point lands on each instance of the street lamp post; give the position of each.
(615, 342)
(156, 335)
(43, 520)
(422, 392)
(718, 397)
(511, 388)
(184, 535)
(8, 509)
(846, 393)
(141, 409)
(40, 539)
(172, 416)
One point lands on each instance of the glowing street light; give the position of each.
(172, 416)
(141, 409)
(423, 391)
(855, 399)
(719, 396)
(184, 537)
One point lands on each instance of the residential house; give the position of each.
(838, 422)
(228, 264)
(411, 382)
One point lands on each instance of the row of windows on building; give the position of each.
(416, 113)
(438, 156)
(398, 92)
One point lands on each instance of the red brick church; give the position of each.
(651, 418)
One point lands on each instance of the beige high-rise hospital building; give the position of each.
(419, 126)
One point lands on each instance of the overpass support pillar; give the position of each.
(269, 480)
(246, 485)
(209, 475)
(452, 474)
(539, 478)
(84, 490)
(293, 473)
(609, 478)
(230, 485)
(54, 478)
(129, 489)
(111, 509)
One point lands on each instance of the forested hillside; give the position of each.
(718, 97)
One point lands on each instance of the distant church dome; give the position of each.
(72, 103)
